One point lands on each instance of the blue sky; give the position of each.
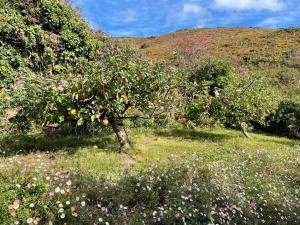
(154, 17)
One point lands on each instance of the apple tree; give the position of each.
(242, 103)
(61, 73)
(97, 92)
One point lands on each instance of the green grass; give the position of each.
(229, 179)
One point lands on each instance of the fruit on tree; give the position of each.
(105, 122)
(183, 120)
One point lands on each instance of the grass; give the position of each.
(203, 176)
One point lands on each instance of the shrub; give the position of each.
(144, 46)
(216, 75)
(286, 120)
(242, 103)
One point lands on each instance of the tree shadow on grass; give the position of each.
(39, 143)
(194, 135)
(281, 140)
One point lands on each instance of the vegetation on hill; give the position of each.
(264, 55)
(272, 54)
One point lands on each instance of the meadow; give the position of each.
(170, 176)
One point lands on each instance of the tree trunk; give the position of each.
(244, 130)
(120, 132)
(246, 133)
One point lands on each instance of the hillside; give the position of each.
(270, 53)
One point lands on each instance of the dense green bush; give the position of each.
(244, 102)
(215, 75)
(217, 95)
(286, 120)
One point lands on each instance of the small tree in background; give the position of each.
(214, 76)
(243, 102)
(286, 119)
(220, 96)
(204, 84)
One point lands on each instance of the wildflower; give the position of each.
(68, 203)
(15, 205)
(62, 216)
(36, 221)
(18, 185)
(31, 205)
(69, 182)
(57, 190)
(100, 220)
(29, 220)
(83, 203)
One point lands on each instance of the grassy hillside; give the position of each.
(274, 54)
(176, 176)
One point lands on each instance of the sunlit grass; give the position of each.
(85, 179)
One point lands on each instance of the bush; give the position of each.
(286, 120)
(243, 103)
(216, 75)
(217, 95)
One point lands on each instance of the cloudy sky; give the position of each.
(154, 17)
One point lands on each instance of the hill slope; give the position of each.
(267, 52)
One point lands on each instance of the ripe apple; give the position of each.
(138, 78)
(183, 120)
(105, 122)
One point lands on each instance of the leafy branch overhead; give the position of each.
(65, 74)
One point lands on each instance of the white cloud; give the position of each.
(125, 16)
(192, 8)
(129, 16)
(237, 5)
(121, 33)
(275, 22)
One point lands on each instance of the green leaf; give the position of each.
(80, 122)
(61, 118)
